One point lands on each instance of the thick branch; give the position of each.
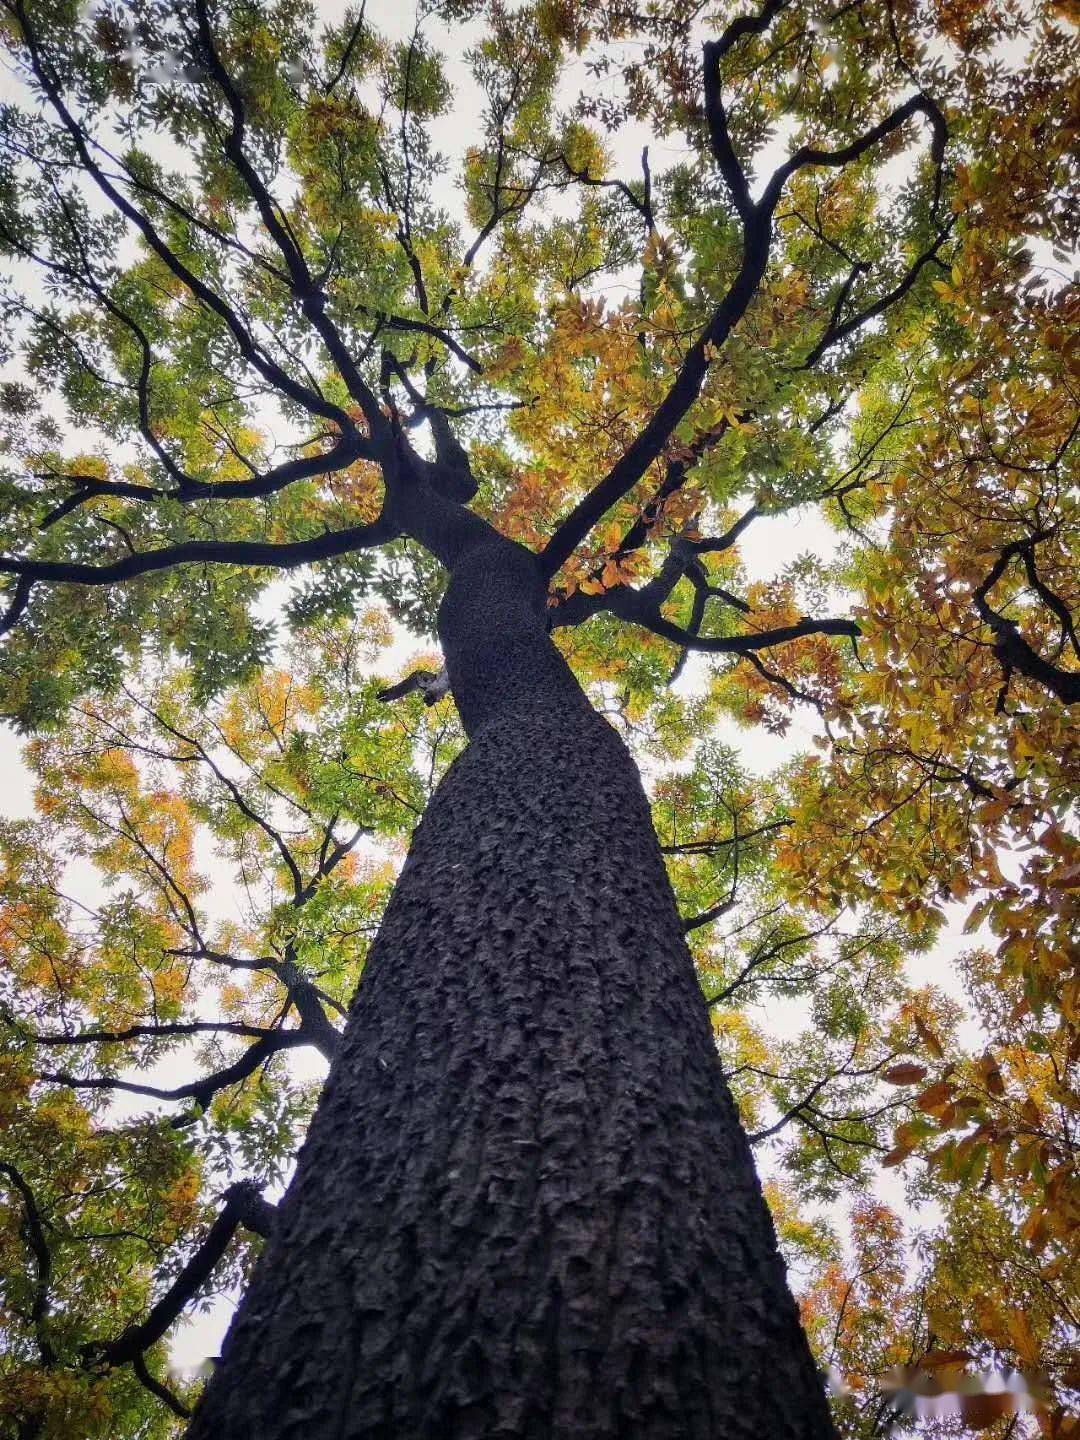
(623, 602)
(808, 155)
(243, 1203)
(147, 1032)
(284, 556)
(433, 687)
(20, 598)
(757, 228)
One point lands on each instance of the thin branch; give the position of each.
(707, 847)
(347, 53)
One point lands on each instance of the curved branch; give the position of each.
(20, 598)
(156, 1387)
(757, 235)
(1011, 648)
(729, 644)
(206, 1087)
(808, 155)
(643, 207)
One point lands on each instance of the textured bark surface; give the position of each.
(525, 1207)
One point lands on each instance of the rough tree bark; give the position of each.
(525, 1207)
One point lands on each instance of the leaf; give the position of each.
(945, 1359)
(935, 1097)
(906, 1073)
(1023, 1336)
(979, 1412)
(929, 1038)
(896, 1156)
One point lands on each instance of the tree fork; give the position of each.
(525, 1206)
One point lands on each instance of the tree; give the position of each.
(525, 1204)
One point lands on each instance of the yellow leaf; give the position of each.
(1022, 1336)
(929, 1039)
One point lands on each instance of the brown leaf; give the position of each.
(897, 1156)
(907, 1073)
(942, 1359)
(979, 1412)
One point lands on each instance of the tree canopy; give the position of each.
(293, 293)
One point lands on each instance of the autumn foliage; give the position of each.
(243, 301)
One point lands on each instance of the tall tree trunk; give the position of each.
(525, 1207)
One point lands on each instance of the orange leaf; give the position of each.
(929, 1039)
(935, 1098)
